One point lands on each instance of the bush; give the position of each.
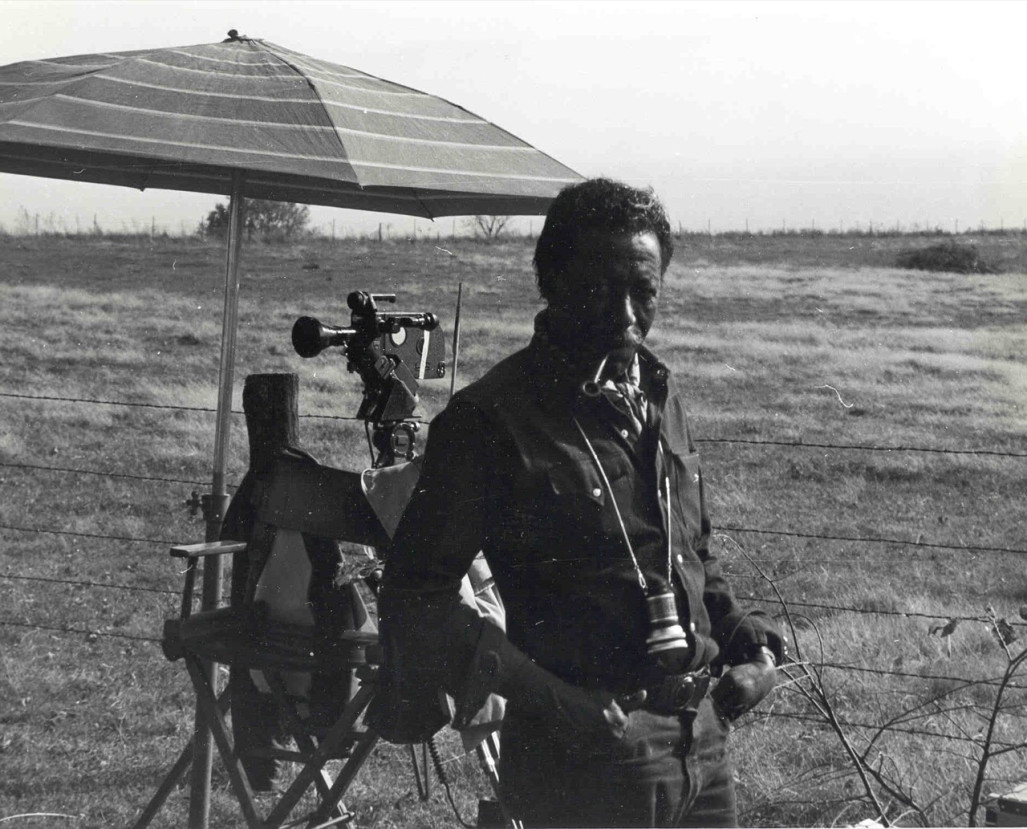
(273, 221)
(948, 256)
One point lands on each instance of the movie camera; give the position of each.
(390, 351)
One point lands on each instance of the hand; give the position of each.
(580, 712)
(743, 686)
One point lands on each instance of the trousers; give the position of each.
(666, 771)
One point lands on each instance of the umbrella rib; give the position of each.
(317, 94)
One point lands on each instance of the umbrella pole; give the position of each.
(199, 801)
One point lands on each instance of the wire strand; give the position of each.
(750, 441)
(904, 542)
(83, 631)
(871, 612)
(865, 447)
(138, 405)
(129, 587)
(88, 535)
(41, 468)
(889, 728)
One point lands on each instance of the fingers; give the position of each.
(743, 687)
(614, 714)
(632, 702)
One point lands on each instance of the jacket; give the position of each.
(509, 470)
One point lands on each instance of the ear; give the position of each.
(561, 296)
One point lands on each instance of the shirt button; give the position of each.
(624, 433)
(596, 492)
(680, 558)
(691, 626)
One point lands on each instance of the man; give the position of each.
(571, 466)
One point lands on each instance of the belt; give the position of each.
(677, 693)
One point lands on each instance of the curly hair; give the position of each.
(597, 205)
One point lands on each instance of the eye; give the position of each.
(645, 292)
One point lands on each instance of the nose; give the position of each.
(626, 312)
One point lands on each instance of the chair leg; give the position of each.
(361, 751)
(342, 727)
(175, 774)
(207, 704)
(304, 741)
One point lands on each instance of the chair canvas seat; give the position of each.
(245, 638)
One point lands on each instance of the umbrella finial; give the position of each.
(234, 37)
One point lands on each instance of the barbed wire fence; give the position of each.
(95, 632)
(726, 528)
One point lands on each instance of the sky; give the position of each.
(761, 115)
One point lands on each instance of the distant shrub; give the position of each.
(272, 221)
(948, 256)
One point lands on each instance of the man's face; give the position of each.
(606, 300)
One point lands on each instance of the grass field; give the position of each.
(817, 375)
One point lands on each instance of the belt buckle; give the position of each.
(683, 693)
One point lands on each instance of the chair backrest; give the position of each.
(310, 534)
(312, 531)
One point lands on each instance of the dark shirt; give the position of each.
(507, 471)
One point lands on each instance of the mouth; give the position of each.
(629, 339)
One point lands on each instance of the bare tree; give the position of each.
(489, 228)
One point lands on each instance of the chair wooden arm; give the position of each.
(209, 548)
(193, 553)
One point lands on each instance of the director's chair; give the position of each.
(296, 645)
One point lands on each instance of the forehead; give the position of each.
(637, 251)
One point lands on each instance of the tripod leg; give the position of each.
(488, 754)
(422, 787)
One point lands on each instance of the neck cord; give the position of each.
(616, 509)
(666, 486)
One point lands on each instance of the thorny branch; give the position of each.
(1014, 662)
(816, 693)
(806, 678)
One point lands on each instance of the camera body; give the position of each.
(390, 351)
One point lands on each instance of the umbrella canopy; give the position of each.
(248, 119)
(301, 129)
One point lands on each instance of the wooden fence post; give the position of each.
(270, 402)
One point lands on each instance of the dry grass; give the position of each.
(797, 339)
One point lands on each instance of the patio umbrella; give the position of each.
(245, 118)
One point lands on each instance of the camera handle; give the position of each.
(394, 442)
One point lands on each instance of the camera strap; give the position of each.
(616, 509)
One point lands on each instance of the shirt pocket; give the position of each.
(685, 473)
(575, 481)
(555, 513)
